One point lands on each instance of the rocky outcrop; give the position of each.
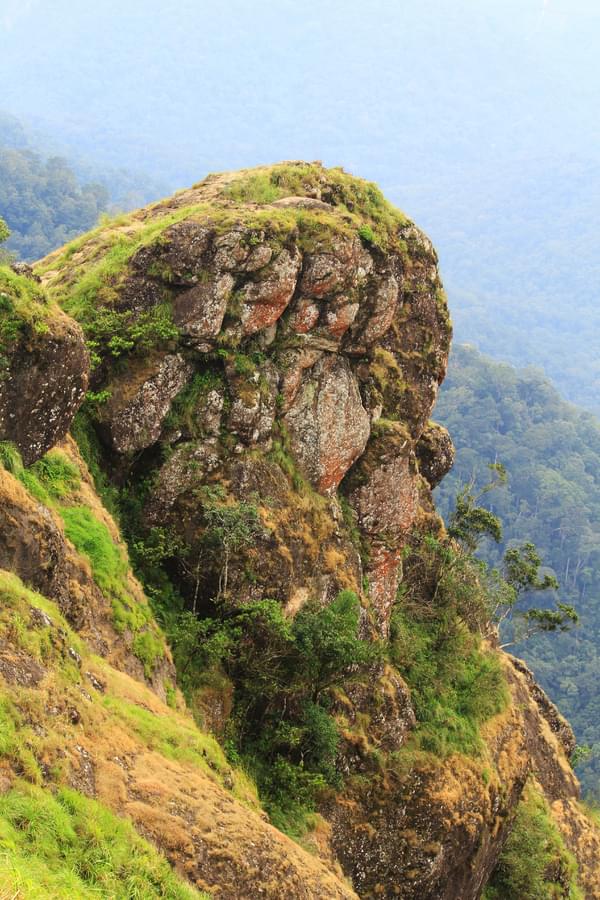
(312, 331)
(279, 362)
(44, 367)
(435, 453)
(135, 414)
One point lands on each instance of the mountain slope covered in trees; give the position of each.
(551, 451)
(47, 199)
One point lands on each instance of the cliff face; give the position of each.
(266, 349)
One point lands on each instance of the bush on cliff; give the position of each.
(282, 671)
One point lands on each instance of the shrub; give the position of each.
(283, 672)
(435, 642)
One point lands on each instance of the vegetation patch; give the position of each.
(535, 863)
(355, 198)
(68, 845)
(455, 685)
(51, 478)
(24, 311)
(284, 674)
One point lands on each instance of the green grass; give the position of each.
(110, 568)
(51, 478)
(455, 685)
(23, 307)
(93, 540)
(535, 864)
(13, 744)
(357, 199)
(70, 846)
(257, 188)
(181, 741)
(149, 649)
(56, 474)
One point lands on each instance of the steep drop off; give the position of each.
(265, 352)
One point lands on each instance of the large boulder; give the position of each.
(44, 367)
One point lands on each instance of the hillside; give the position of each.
(302, 652)
(551, 451)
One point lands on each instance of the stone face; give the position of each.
(328, 425)
(42, 385)
(200, 310)
(435, 453)
(252, 411)
(378, 313)
(336, 270)
(383, 491)
(264, 300)
(135, 423)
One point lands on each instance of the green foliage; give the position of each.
(327, 640)
(69, 845)
(456, 685)
(4, 231)
(57, 474)
(113, 333)
(468, 525)
(535, 864)
(282, 672)
(366, 234)
(228, 526)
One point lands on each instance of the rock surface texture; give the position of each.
(274, 339)
(44, 368)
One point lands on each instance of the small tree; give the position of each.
(229, 525)
(328, 643)
(521, 575)
(520, 571)
(469, 522)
